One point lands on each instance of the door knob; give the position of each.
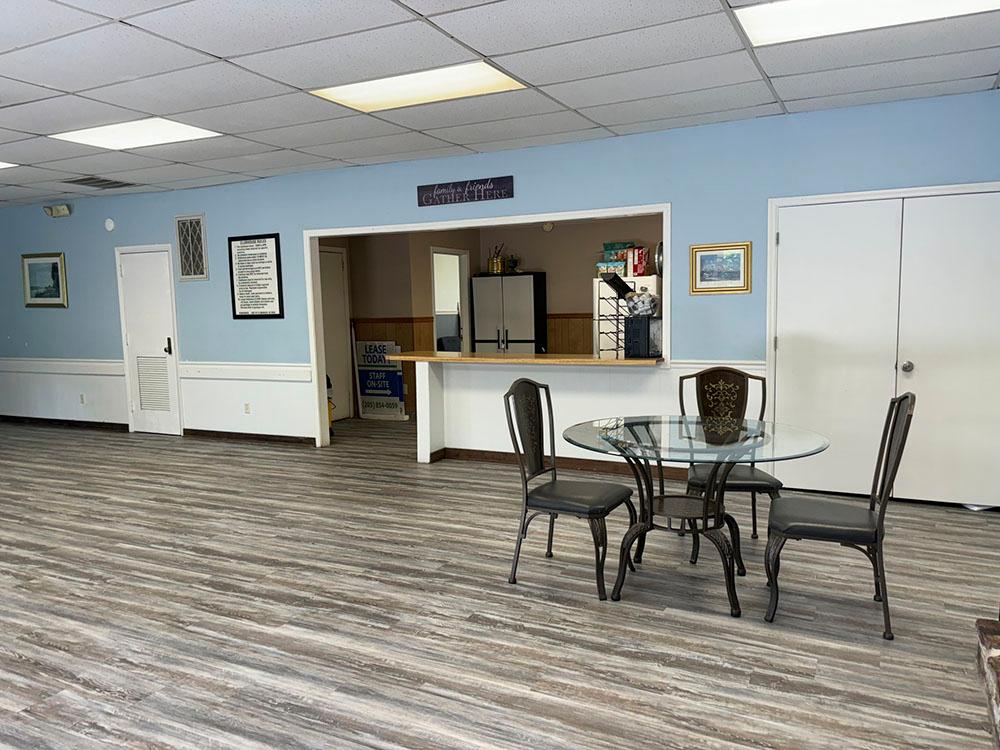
(906, 366)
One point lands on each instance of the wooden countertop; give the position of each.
(520, 359)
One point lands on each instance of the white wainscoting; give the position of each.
(281, 398)
(90, 390)
(473, 404)
(214, 395)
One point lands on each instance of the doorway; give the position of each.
(335, 286)
(450, 299)
(149, 338)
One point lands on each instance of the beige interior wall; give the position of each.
(567, 254)
(380, 276)
(420, 262)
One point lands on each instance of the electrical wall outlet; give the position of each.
(246, 408)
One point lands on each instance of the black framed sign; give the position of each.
(466, 191)
(255, 276)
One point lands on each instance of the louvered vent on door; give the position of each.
(191, 247)
(154, 390)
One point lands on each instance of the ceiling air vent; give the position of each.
(99, 182)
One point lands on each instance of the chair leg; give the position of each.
(753, 513)
(772, 565)
(627, 541)
(640, 547)
(873, 559)
(695, 541)
(599, 531)
(887, 633)
(734, 536)
(552, 526)
(521, 531)
(718, 538)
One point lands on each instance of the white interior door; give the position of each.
(519, 312)
(149, 337)
(949, 329)
(337, 328)
(488, 312)
(836, 301)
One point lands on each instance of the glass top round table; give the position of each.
(693, 439)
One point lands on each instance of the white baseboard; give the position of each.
(214, 395)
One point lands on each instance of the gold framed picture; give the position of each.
(724, 268)
(44, 278)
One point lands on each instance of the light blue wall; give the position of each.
(717, 178)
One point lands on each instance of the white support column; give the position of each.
(430, 410)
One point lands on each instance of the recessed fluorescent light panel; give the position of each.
(5, 165)
(136, 134)
(788, 20)
(454, 82)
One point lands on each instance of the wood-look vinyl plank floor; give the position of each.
(160, 592)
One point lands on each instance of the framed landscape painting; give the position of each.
(44, 276)
(721, 269)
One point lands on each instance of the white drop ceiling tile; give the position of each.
(62, 113)
(895, 94)
(262, 114)
(746, 113)
(889, 75)
(6, 136)
(523, 24)
(252, 163)
(120, 8)
(213, 26)
(166, 173)
(228, 179)
(543, 140)
(97, 57)
(99, 164)
(679, 105)
(32, 175)
(881, 45)
(16, 192)
(472, 109)
(330, 131)
(192, 88)
(722, 70)
(36, 150)
(629, 50)
(317, 166)
(428, 7)
(404, 48)
(520, 127)
(386, 144)
(42, 20)
(431, 153)
(56, 186)
(203, 149)
(17, 92)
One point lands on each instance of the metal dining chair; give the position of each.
(582, 499)
(860, 527)
(723, 392)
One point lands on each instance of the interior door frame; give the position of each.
(464, 277)
(314, 300)
(773, 244)
(345, 253)
(133, 250)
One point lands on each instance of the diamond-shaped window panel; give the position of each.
(191, 247)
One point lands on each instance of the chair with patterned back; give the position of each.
(724, 393)
(582, 499)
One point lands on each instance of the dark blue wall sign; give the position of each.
(466, 191)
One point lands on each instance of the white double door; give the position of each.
(875, 298)
(149, 337)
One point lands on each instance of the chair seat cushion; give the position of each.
(822, 518)
(742, 478)
(592, 499)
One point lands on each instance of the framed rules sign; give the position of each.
(255, 276)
